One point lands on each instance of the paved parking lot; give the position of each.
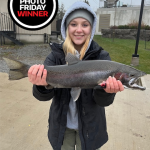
(24, 120)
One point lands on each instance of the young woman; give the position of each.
(82, 122)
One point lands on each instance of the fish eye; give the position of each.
(131, 75)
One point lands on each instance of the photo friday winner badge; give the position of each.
(32, 14)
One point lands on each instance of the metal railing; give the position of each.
(6, 23)
(127, 6)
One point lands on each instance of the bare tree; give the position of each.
(86, 1)
(61, 12)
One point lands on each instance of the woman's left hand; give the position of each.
(113, 85)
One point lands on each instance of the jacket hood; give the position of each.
(79, 5)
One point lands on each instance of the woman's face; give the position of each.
(79, 29)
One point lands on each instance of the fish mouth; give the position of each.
(134, 83)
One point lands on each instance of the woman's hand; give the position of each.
(113, 85)
(37, 75)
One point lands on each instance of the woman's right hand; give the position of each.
(37, 75)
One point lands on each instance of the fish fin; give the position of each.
(13, 64)
(17, 70)
(98, 87)
(72, 59)
(75, 93)
(15, 75)
(48, 87)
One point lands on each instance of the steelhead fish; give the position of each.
(83, 74)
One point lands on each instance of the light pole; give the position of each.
(135, 56)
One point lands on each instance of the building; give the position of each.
(120, 16)
(15, 33)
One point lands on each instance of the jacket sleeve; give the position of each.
(101, 97)
(40, 92)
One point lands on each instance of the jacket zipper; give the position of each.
(87, 134)
(83, 111)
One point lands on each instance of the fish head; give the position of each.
(131, 79)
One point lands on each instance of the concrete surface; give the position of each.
(24, 120)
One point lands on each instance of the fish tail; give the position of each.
(17, 70)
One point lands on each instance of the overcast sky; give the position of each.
(95, 3)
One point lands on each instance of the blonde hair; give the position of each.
(68, 46)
